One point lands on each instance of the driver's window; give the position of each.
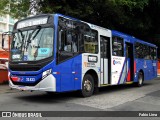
(67, 41)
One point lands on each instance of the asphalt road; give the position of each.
(113, 98)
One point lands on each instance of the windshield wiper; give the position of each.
(29, 39)
(21, 40)
(36, 52)
(21, 33)
(30, 35)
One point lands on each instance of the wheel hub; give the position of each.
(87, 85)
(140, 80)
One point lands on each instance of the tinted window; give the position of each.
(117, 46)
(90, 41)
(139, 50)
(155, 53)
(144, 51)
(77, 37)
(104, 46)
(68, 38)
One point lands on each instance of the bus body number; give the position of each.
(30, 79)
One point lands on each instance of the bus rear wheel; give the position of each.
(87, 86)
(140, 79)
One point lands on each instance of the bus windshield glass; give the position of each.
(32, 45)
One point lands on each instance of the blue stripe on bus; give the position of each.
(122, 71)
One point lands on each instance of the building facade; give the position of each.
(6, 24)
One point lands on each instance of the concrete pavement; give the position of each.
(113, 98)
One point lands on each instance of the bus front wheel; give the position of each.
(87, 86)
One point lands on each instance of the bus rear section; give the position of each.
(139, 59)
(146, 59)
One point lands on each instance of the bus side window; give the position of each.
(146, 52)
(67, 41)
(151, 53)
(139, 52)
(91, 41)
(117, 46)
(155, 54)
(64, 46)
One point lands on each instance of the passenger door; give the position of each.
(130, 62)
(118, 61)
(105, 59)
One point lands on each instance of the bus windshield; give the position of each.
(32, 45)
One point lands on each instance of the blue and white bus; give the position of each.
(57, 53)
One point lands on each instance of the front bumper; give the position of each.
(47, 84)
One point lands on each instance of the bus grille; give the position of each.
(24, 68)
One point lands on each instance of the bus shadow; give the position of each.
(42, 97)
(116, 88)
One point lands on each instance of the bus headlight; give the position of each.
(46, 73)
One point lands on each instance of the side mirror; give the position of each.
(6, 43)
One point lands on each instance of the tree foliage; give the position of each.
(3, 6)
(16, 8)
(19, 8)
(139, 18)
(124, 15)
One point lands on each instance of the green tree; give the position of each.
(4, 6)
(16, 8)
(139, 18)
(19, 8)
(124, 15)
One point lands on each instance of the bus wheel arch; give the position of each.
(94, 74)
(90, 80)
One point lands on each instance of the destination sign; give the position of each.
(32, 22)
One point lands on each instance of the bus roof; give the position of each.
(114, 32)
(131, 38)
(91, 25)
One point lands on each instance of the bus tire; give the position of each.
(140, 79)
(87, 86)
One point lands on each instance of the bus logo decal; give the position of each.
(86, 64)
(116, 62)
(145, 64)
